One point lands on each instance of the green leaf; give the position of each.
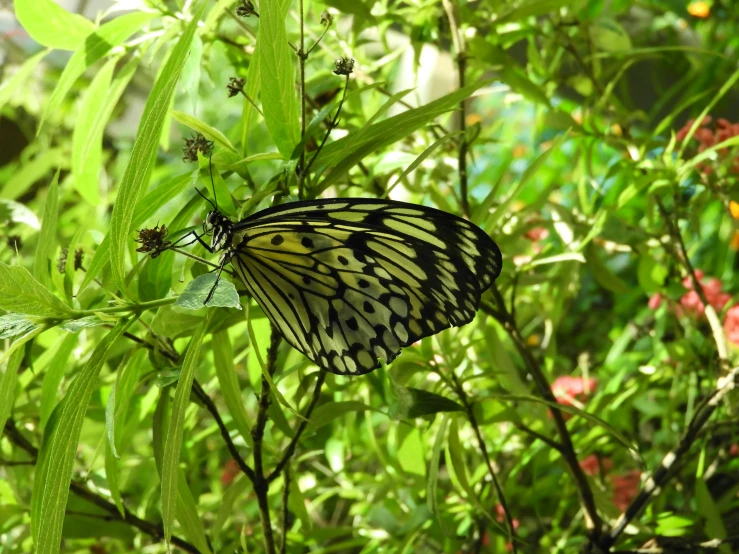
(97, 105)
(187, 512)
(226, 505)
(10, 210)
(112, 476)
(432, 484)
(51, 25)
(296, 503)
(120, 398)
(59, 449)
(608, 35)
(251, 89)
(8, 382)
(94, 48)
(53, 377)
(47, 238)
(355, 7)
(346, 152)
(421, 157)
(9, 87)
(197, 290)
(570, 410)
(410, 403)
(528, 174)
(714, 523)
(12, 325)
(33, 170)
(230, 388)
(138, 171)
(326, 413)
(277, 78)
(21, 293)
(602, 275)
(524, 10)
(211, 133)
(175, 430)
(410, 453)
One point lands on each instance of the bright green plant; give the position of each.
(588, 406)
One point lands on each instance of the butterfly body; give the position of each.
(349, 282)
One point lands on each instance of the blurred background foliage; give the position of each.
(599, 141)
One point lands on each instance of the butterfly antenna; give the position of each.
(212, 183)
(215, 207)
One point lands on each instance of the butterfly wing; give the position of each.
(349, 282)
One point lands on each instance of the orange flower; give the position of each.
(699, 9)
(734, 209)
(734, 244)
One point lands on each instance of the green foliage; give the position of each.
(596, 142)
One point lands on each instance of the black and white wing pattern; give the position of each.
(349, 282)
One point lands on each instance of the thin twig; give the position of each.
(285, 512)
(254, 104)
(334, 123)
(485, 454)
(681, 255)
(452, 12)
(654, 484)
(290, 450)
(200, 394)
(261, 484)
(302, 57)
(152, 529)
(211, 407)
(593, 520)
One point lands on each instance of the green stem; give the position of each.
(136, 308)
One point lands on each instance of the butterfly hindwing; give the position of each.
(350, 282)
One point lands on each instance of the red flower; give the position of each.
(593, 464)
(691, 302)
(734, 450)
(567, 389)
(625, 488)
(731, 324)
(706, 136)
(537, 233)
(230, 471)
(655, 301)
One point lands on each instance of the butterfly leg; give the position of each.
(215, 285)
(197, 239)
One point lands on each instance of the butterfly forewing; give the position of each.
(349, 282)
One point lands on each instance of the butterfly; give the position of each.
(350, 281)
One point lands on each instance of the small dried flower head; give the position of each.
(194, 145)
(235, 86)
(344, 66)
(326, 18)
(245, 9)
(61, 265)
(78, 256)
(15, 242)
(152, 240)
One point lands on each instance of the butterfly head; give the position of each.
(219, 226)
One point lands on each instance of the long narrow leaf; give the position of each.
(140, 165)
(59, 449)
(97, 106)
(277, 78)
(175, 430)
(95, 46)
(47, 239)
